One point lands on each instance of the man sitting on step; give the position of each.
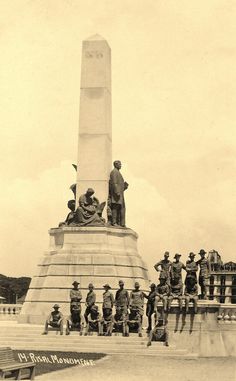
(120, 321)
(74, 321)
(107, 322)
(159, 332)
(134, 322)
(55, 320)
(94, 321)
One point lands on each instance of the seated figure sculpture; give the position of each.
(74, 321)
(54, 320)
(70, 216)
(89, 211)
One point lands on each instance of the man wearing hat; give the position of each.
(120, 321)
(122, 298)
(165, 265)
(134, 322)
(90, 301)
(191, 292)
(176, 292)
(176, 268)
(204, 273)
(74, 321)
(94, 321)
(75, 294)
(55, 320)
(191, 266)
(108, 302)
(159, 332)
(150, 305)
(162, 292)
(137, 298)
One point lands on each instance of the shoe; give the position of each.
(44, 333)
(61, 333)
(140, 335)
(149, 343)
(167, 344)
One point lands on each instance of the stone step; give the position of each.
(59, 341)
(119, 337)
(101, 347)
(109, 350)
(30, 337)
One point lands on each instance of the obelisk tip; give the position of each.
(95, 37)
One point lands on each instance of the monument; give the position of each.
(93, 244)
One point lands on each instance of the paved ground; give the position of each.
(135, 368)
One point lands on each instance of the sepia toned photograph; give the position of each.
(118, 181)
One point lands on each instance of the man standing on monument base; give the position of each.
(117, 186)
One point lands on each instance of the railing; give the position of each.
(10, 309)
(227, 313)
(221, 287)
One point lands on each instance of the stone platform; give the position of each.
(200, 334)
(29, 337)
(86, 254)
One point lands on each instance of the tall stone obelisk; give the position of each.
(95, 133)
(98, 254)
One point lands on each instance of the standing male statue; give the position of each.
(117, 186)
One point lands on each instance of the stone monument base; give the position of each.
(95, 255)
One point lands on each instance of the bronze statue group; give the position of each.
(129, 307)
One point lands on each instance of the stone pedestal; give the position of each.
(86, 254)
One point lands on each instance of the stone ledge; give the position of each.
(93, 229)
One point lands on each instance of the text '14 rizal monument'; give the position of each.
(93, 244)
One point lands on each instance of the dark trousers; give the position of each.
(118, 214)
(87, 312)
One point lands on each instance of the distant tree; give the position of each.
(12, 288)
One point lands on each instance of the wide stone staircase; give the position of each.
(29, 337)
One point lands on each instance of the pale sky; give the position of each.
(173, 111)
